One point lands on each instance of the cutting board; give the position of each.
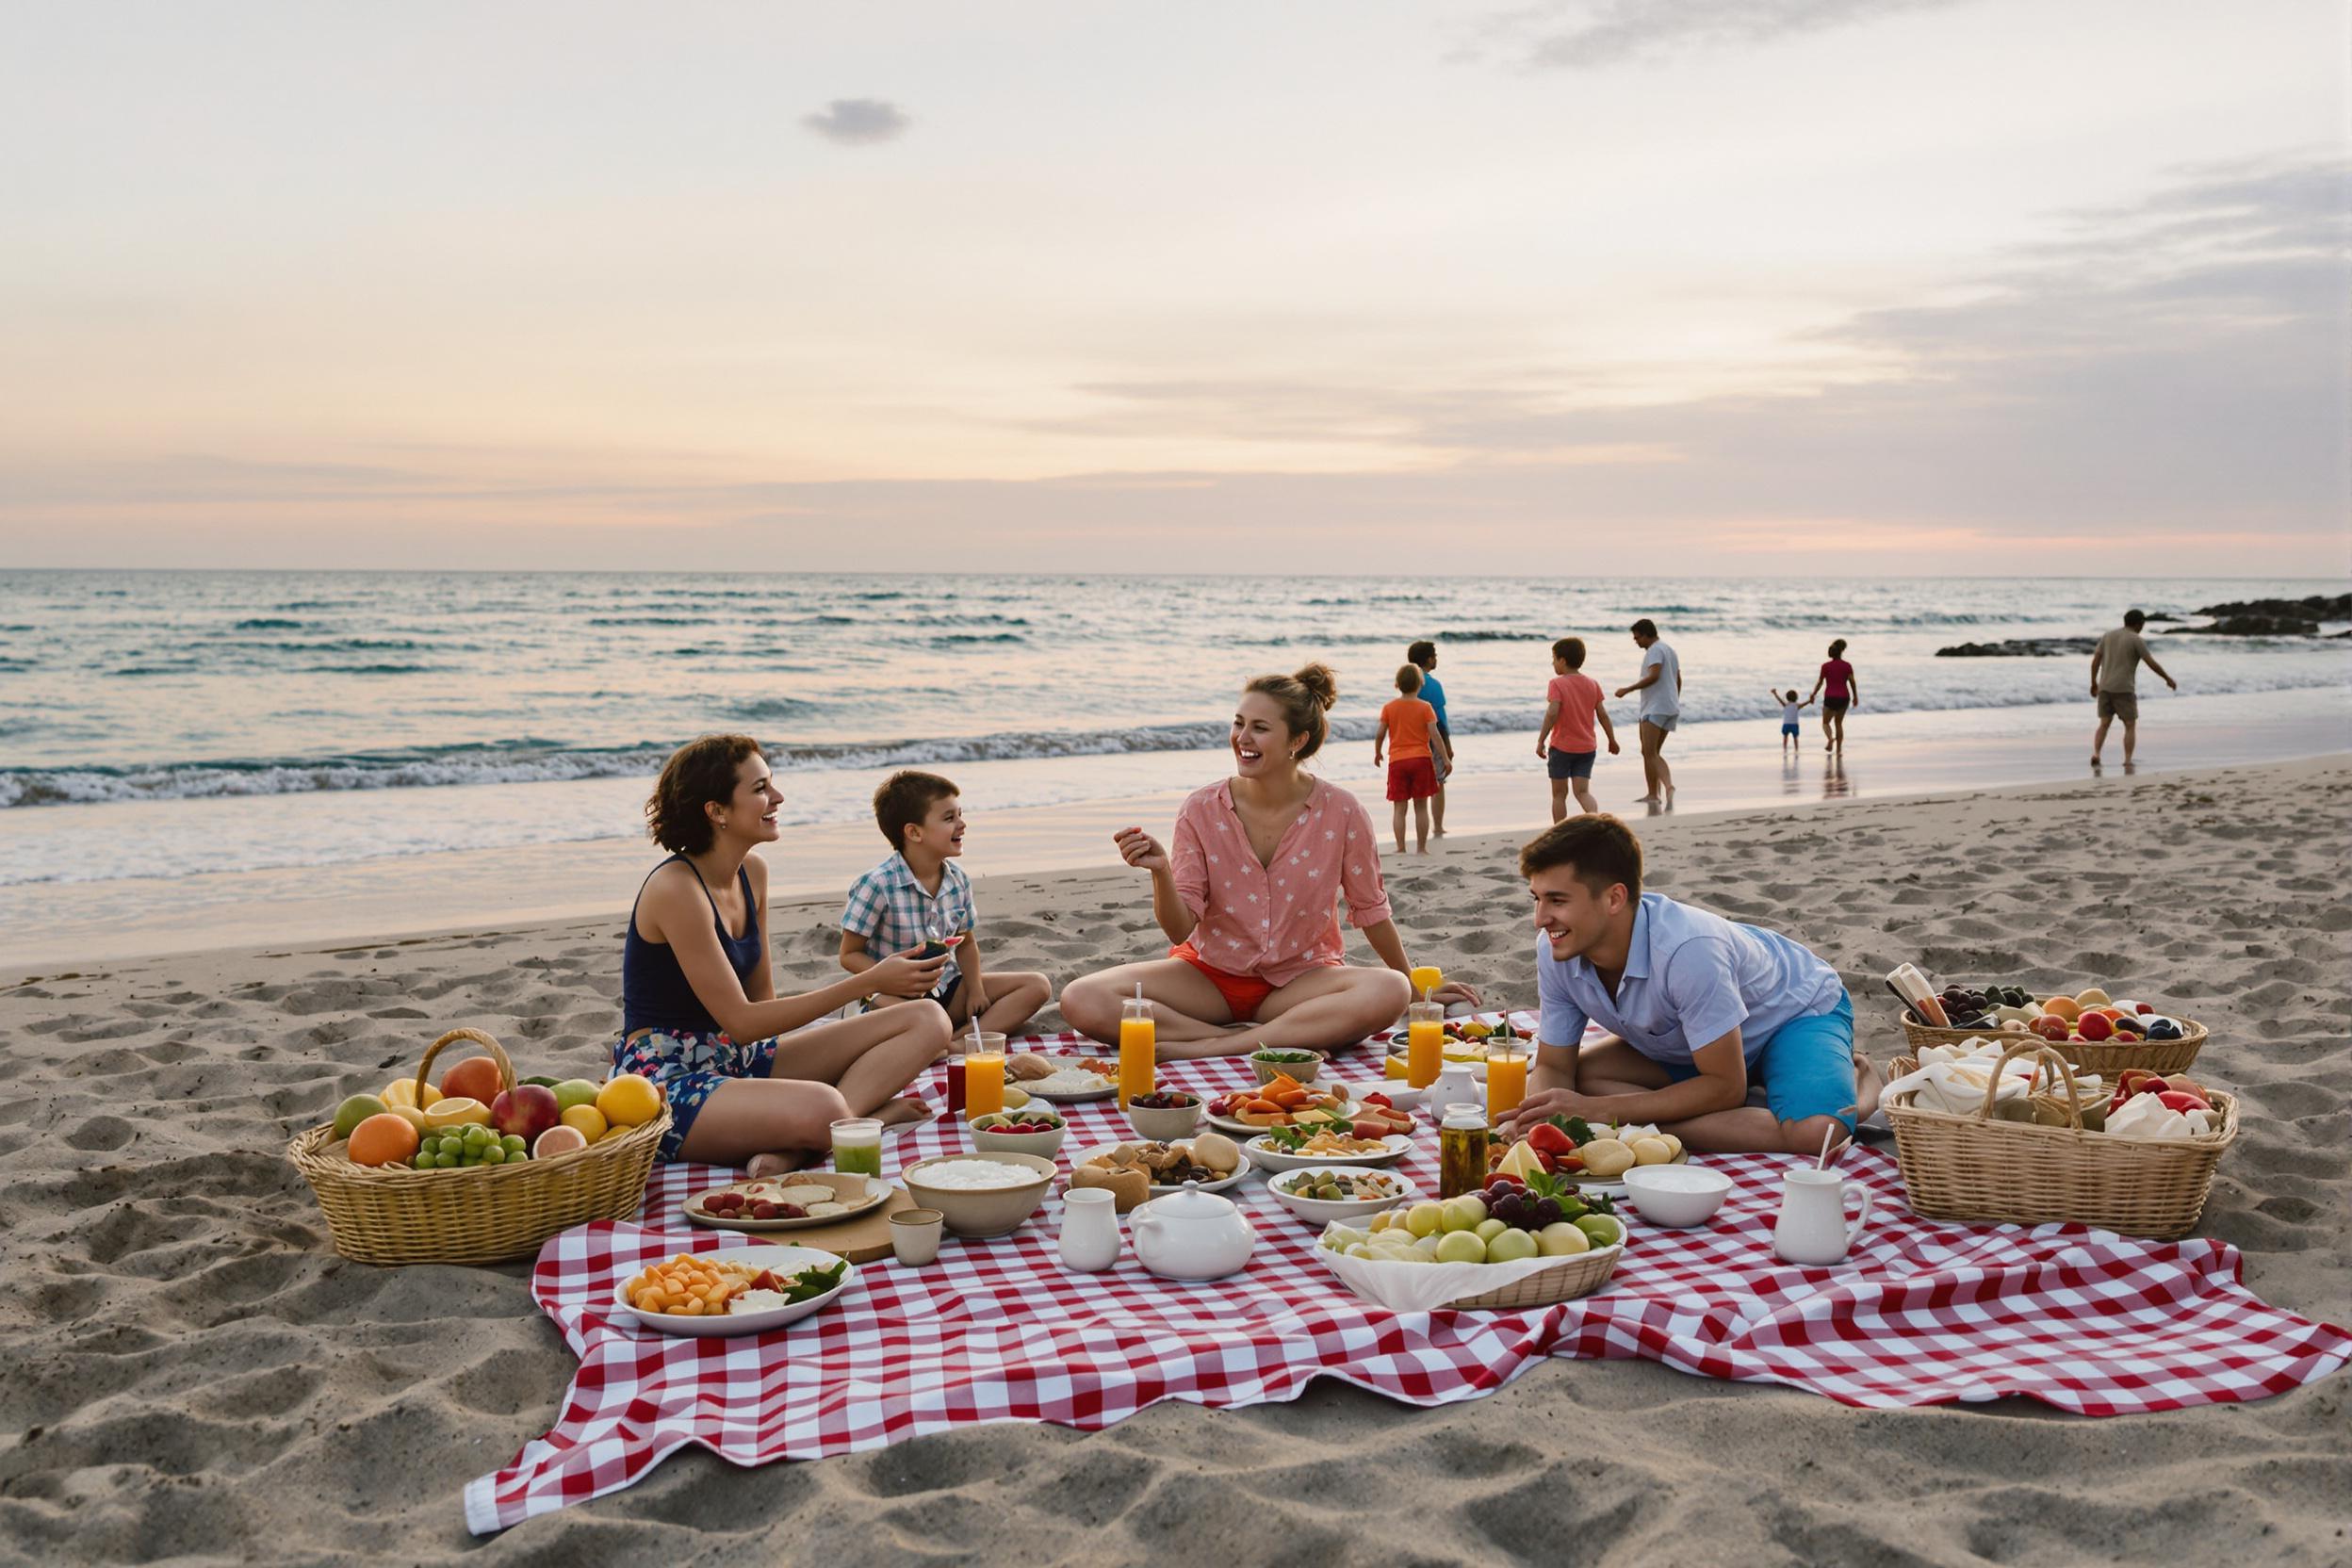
(860, 1239)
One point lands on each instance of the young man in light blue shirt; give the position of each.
(1731, 1037)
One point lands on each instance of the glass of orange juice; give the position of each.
(1139, 1048)
(1426, 978)
(983, 1080)
(1506, 1083)
(1425, 1043)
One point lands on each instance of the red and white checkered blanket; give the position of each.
(1923, 1311)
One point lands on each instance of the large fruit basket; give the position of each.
(482, 1213)
(2108, 1058)
(1978, 1167)
(1578, 1274)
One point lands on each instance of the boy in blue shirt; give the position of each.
(1732, 1038)
(1424, 653)
(920, 894)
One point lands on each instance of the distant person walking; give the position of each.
(1571, 705)
(1661, 709)
(1843, 692)
(1424, 653)
(2115, 681)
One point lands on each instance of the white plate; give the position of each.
(876, 1191)
(782, 1259)
(1319, 1212)
(1085, 1156)
(1394, 1148)
(1250, 1129)
(1110, 1086)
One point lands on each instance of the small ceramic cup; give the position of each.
(914, 1235)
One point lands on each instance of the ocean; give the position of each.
(301, 718)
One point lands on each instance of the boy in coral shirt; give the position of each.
(1416, 751)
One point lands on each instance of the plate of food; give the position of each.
(1596, 1159)
(1298, 1147)
(1321, 1194)
(787, 1203)
(1211, 1163)
(1283, 1102)
(745, 1290)
(1063, 1078)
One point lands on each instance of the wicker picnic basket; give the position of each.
(477, 1214)
(1978, 1167)
(2105, 1057)
(1578, 1274)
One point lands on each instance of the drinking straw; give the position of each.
(1831, 1132)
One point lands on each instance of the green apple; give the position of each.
(574, 1091)
(1425, 1219)
(1559, 1239)
(1510, 1246)
(1464, 1213)
(354, 1111)
(1603, 1230)
(1462, 1247)
(1488, 1228)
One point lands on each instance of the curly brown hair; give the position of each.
(698, 774)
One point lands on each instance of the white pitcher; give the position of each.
(1813, 1229)
(1457, 1084)
(1089, 1239)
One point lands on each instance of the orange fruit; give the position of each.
(475, 1078)
(588, 1120)
(558, 1141)
(386, 1140)
(628, 1100)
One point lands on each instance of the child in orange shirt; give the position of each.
(1415, 749)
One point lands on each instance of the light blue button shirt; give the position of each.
(1690, 978)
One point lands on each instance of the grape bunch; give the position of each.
(451, 1146)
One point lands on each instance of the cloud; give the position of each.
(1589, 34)
(859, 122)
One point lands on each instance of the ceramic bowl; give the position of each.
(1676, 1195)
(1319, 1212)
(1167, 1124)
(1043, 1145)
(1298, 1073)
(991, 1212)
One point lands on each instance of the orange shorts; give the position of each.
(1243, 993)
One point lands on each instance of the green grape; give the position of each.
(444, 1162)
(493, 1154)
(514, 1141)
(476, 1134)
(423, 1160)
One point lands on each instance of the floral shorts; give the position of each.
(689, 1067)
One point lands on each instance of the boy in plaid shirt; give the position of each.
(920, 894)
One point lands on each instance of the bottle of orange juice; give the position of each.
(1139, 1048)
(1425, 1043)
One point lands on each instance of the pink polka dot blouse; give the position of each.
(1276, 921)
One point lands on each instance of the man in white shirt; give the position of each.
(1662, 708)
(1733, 1037)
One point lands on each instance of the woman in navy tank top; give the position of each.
(699, 1011)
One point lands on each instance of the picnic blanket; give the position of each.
(1922, 1312)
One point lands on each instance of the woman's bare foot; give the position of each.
(905, 1108)
(1866, 1084)
(782, 1163)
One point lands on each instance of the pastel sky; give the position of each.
(1726, 286)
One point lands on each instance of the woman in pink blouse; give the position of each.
(1248, 892)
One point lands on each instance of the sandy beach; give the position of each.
(198, 1378)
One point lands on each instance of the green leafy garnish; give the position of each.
(812, 1283)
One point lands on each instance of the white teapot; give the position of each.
(1457, 1085)
(1191, 1236)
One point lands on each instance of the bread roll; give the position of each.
(1128, 1187)
(1026, 1066)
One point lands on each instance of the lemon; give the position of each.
(400, 1094)
(628, 1100)
(588, 1119)
(457, 1113)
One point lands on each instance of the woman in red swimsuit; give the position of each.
(1248, 891)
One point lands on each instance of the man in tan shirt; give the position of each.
(2115, 681)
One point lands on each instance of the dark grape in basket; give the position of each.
(1164, 1100)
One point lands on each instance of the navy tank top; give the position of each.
(653, 990)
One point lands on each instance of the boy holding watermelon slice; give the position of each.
(1732, 1038)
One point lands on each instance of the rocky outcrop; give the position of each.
(2318, 606)
(2020, 647)
(2250, 625)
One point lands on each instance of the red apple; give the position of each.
(475, 1078)
(525, 1111)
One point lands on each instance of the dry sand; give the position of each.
(198, 1378)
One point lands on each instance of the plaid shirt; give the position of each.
(889, 907)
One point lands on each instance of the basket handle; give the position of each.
(2039, 1050)
(497, 1054)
